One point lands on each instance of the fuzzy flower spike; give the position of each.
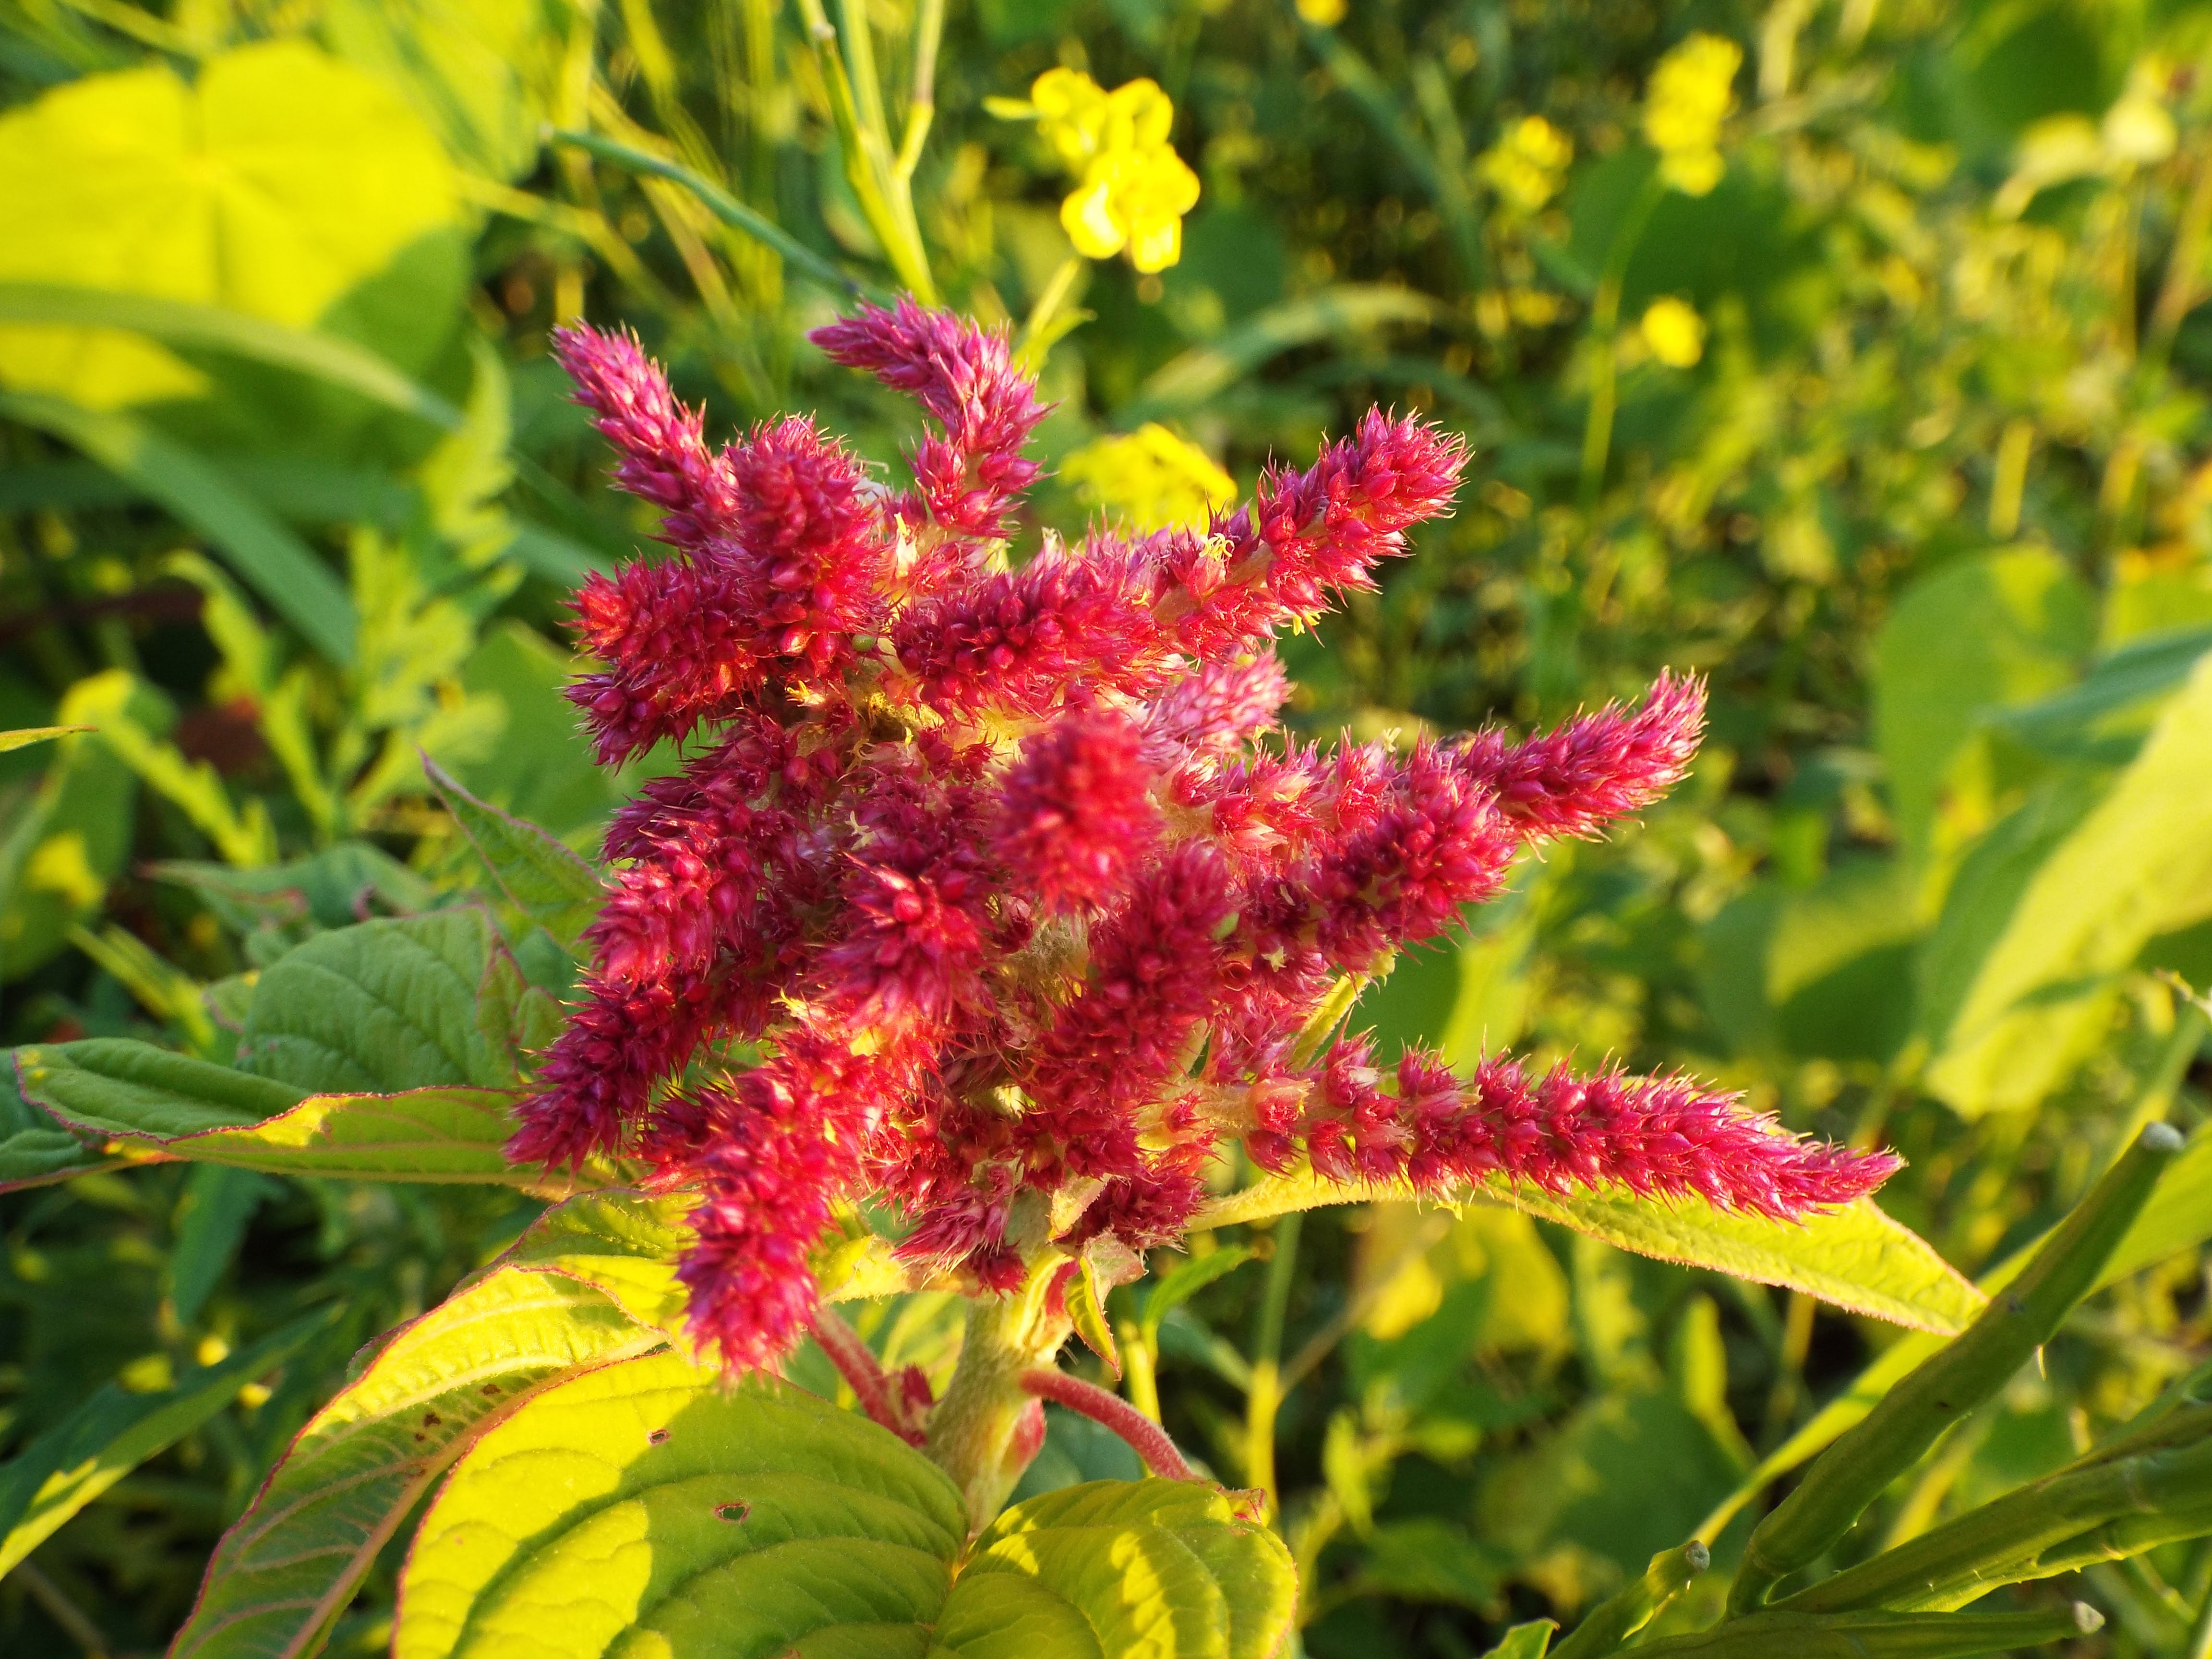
(1002, 872)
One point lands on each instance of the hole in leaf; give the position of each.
(732, 1511)
(656, 1436)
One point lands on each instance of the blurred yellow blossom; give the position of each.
(1327, 13)
(61, 865)
(1692, 91)
(1673, 333)
(1133, 188)
(1525, 166)
(1150, 479)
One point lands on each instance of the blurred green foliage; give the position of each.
(1896, 431)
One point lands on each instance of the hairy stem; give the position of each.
(856, 1362)
(973, 1433)
(1148, 1439)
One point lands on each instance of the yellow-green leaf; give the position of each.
(357, 1469)
(1854, 1257)
(274, 182)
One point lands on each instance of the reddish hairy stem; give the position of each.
(856, 1362)
(1149, 1439)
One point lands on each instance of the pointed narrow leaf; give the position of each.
(10, 741)
(1855, 1256)
(357, 1469)
(114, 1431)
(339, 362)
(653, 1503)
(557, 890)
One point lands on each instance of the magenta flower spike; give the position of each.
(1004, 874)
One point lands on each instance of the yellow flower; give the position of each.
(1675, 332)
(1150, 479)
(1525, 166)
(1692, 92)
(1134, 188)
(1134, 199)
(1326, 14)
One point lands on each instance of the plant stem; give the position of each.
(1147, 1437)
(1629, 1610)
(58, 1607)
(721, 204)
(1605, 327)
(972, 1431)
(856, 1362)
(1264, 1397)
(856, 110)
(1140, 1368)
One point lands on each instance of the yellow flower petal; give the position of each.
(1089, 220)
(1675, 332)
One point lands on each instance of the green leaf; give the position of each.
(116, 1087)
(1528, 1641)
(35, 1150)
(2025, 1012)
(340, 363)
(275, 183)
(2177, 1217)
(118, 1090)
(211, 1223)
(412, 1002)
(654, 1499)
(1167, 1567)
(10, 741)
(267, 558)
(1855, 1257)
(621, 1244)
(1975, 635)
(114, 1431)
(358, 1468)
(557, 890)
(542, 768)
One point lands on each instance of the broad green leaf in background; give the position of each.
(34, 1150)
(478, 72)
(115, 1431)
(651, 1498)
(293, 1560)
(557, 890)
(1854, 1257)
(410, 1002)
(1976, 635)
(113, 1089)
(274, 183)
(2013, 1024)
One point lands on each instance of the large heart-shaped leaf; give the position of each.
(651, 1507)
(274, 182)
(648, 1497)
(355, 1471)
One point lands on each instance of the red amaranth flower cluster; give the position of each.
(1004, 874)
